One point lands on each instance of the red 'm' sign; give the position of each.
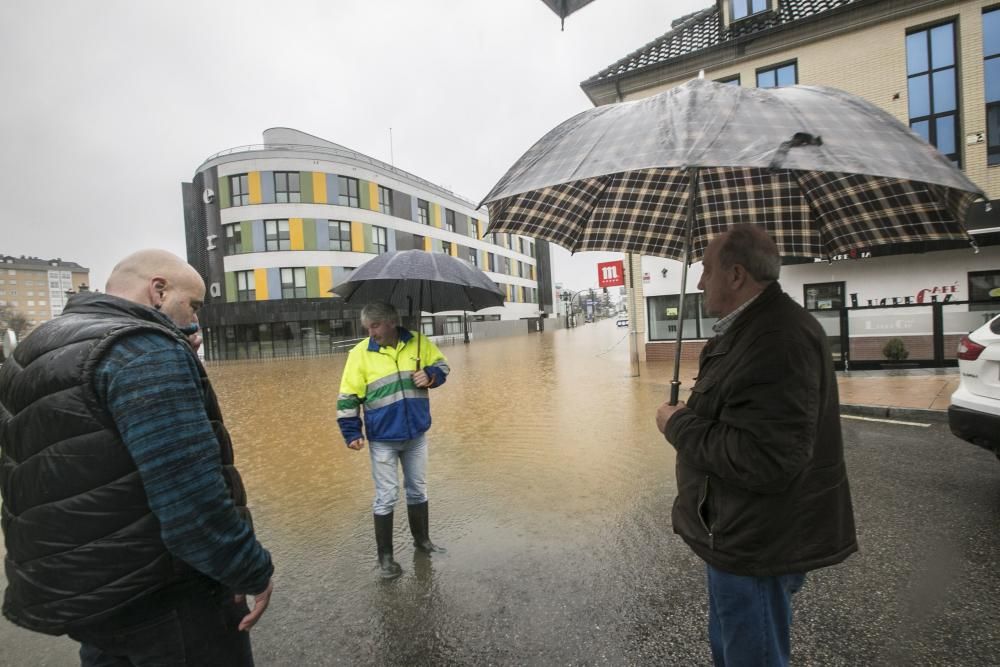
(610, 274)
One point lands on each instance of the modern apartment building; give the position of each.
(934, 65)
(272, 228)
(37, 288)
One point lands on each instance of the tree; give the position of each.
(13, 320)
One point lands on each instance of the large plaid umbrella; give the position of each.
(824, 171)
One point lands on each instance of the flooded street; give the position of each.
(551, 489)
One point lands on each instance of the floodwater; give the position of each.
(548, 484)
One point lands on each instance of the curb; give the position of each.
(889, 412)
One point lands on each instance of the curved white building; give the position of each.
(273, 227)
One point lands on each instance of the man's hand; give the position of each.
(357, 444)
(422, 379)
(665, 412)
(260, 602)
(194, 340)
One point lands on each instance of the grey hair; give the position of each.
(379, 311)
(751, 247)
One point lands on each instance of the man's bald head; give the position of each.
(161, 280)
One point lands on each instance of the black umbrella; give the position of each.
(434, 282)
(824, 171)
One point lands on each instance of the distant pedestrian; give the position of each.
(762, 490)
(125, 519)
(389, 374)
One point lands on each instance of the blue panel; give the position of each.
(923, 129)
(322, 234)
(992, 75)
(916, 53)
(414, 215)
(991, 33)
(258, 235)
(273, 284)
(765, 79)
(786, 75)
(267, 187)
(332, 182)
(944, 91)
(390, 239)
(919, 96)
(946, 134)
(943, 46)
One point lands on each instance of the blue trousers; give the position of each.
(387, 456)
(750, 618)
(201, 629)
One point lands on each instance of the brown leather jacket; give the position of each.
(761, 483)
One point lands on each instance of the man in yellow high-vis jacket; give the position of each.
(389, 373)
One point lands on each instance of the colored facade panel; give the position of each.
(266, 187)
(312, 282)
(306, 187)
(319, 187)
(224, 198)
(309, 234)
(273, 284)
(260, 284)
(372, 196)
(357, 237)
(246, 236)
(436, 215)
(230, 287)
(295, 234)
(366, 236)
(321, 230)
(253, 179)
(332, 188)
(258, 235)
(414, 214)
(324, 275)
(454, 249)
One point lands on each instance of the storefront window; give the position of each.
(824, 296)
(984, 290)
(664, 312)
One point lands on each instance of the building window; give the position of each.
(446, 247)
(823, 296)
(340, 235)
(474, 228)
(286, 187)
(932, 87)
(991, 75)
(733, 80)
(293, 283)
(745, 8)
(449, 220)
(348, 195)
(423, 212)
(239, 190)
(246, 286)
(380, 239)
(491, 263)
(427, 326)
(234, 239)
(506, 266)
(778, 76)
(474, 257)
(385, 200)
(276, 235)
(453, 324)
(664, 312)
(418, 242)
(984, 288)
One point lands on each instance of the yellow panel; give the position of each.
(325, 281)
(357, 237)
(436, 215)
(428, 245)
(373, 195)
(254, 180)
(260, 283)
(319, 187)
(295, 234)
(532, 271)
(454, 250)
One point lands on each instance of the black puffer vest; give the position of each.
(82, 543)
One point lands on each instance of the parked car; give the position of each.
(621, 322)
(974, 413)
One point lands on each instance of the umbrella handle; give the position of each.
(675, 392)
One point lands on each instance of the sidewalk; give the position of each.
(918, 393)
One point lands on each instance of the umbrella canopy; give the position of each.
(433, 282)
(824, 171)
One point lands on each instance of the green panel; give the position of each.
(364, 197)
(223, 192)
(246, 235)
(230, 287)
(308, 234)
(366, 232)
(312, 281)
(306, 187)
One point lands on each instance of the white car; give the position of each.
(974, 413)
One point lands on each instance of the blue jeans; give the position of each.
(201, 629)
(750, 618)
(386, 456)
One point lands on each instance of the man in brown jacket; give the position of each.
(762, 491)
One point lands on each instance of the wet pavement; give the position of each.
(552, 489)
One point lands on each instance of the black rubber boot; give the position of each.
(420, 527)
(388, 568)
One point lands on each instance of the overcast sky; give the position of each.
(109, 106)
